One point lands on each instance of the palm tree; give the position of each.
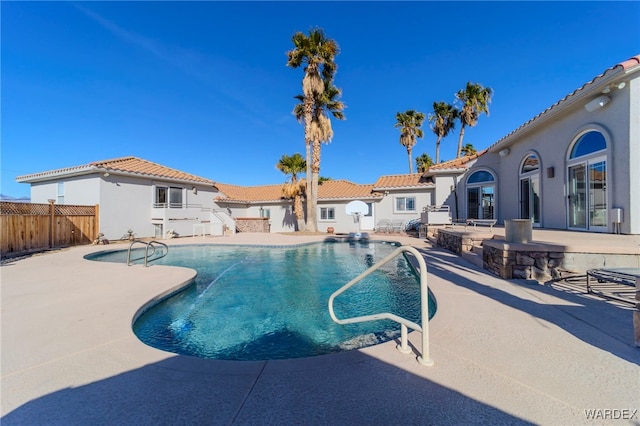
(327, 103)
(317, 54)
(423, 163)
(294, 188)
(442, 120)
(474, 100)
(410, 123)
(468, 149)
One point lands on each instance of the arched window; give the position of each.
(587, 182)
(530, 188)
(481, 195)
(587, 144)
(480, 176)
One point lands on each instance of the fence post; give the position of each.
(52, 215)
(96, 222)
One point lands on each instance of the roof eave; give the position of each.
(396, 188)
(459, 170)
(55, 174)
(364, 197)
(88, 170)
(578, 96)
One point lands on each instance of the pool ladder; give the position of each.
(403, 347)
(149, 245)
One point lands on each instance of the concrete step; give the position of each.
(473, 257)
(476, 249)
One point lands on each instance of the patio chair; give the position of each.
(384, 225)
(397, 225)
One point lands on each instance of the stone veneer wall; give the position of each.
(526, 264)
(252, 224)
(454, 242)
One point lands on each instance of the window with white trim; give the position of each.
(405, 204)
(161, 199)
(60, 193)
(327, 213)
(265, 212)
(168, 197)
(175, 197)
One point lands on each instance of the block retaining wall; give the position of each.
(252, 224)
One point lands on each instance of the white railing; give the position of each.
(436, 215)
(403, 347)
(443, 208)
(225, 219)
(148, 245)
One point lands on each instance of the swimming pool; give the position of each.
(262, 303)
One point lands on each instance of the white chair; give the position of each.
(397, 225)
(384, 225)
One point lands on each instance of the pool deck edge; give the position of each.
(505, 352)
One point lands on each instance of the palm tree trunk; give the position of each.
(298, 212)
(460, 140)
(410, 163)
(311, 209)
(438, 149)
(315, 174)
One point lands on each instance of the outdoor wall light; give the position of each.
(195, 190)
(106, 174)
(504, 152)
(597, 103)
(551, 172)
(618, 86)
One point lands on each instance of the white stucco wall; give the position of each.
(385, 209)
(79, 190)
(281, 217)
(125, 203)
(634, 158)
(618, 122)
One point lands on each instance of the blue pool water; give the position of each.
(262, 303)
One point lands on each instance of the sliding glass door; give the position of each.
(588, 195)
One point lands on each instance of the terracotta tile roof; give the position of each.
(596, 85)
(414, 180)
(328, 190)
(126, 165)
(245, 194)
(343, 189)
(456, 163)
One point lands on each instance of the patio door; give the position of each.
(587, 195)
(480, 202)
(367, 221)
(530, 199)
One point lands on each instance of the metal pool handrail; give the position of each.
(146, 251)
(403, 347)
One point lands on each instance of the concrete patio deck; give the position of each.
(505, 352)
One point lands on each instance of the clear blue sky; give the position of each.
(203, 86)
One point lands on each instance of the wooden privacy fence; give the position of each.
(30, 227)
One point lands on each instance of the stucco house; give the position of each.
(151, 200)
(393, 197)
(134, 194)
(574, 166)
